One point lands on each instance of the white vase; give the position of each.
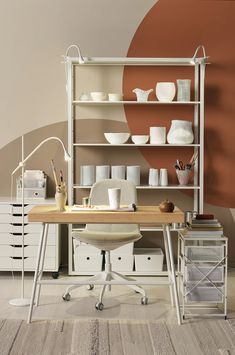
(118, 172)
(165, 92)
(183, 89)
(153, 177)
(157, 135)
(133, 174)
(87, 175)
(102, 172)
(163, 177)
(180, 132)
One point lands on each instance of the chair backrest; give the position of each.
(99, 196)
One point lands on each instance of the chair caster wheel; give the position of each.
(183, 317)
(144, 300)
(225, 317)
(66, 297)
(90, 287)
(99, 306)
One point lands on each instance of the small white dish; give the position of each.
(117, 138)
(115, 97)
(98, 96)
(140, 139)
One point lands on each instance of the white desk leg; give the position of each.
(35, 280)
(176, 297)
(38, 289)
(169, 271)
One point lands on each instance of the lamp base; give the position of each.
(20, 302)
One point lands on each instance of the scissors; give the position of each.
(179, 164)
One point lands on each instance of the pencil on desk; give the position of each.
(54, 172)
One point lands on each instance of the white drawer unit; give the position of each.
(11, 223)
(202, 271)
(88, 262)
(122, 262)
(148, 259)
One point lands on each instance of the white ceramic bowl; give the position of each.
(140, 139)
(165, 92)
(117, 138)
(115, 97)
(98, 96)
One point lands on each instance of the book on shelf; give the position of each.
(203, 234)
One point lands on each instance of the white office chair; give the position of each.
(108, 237)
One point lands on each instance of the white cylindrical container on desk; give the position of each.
(133, 174)
(163, 177)
(153, 177)
(87, 175)
(118, 172)
(102, 172)
(157, 135)
(114, 198)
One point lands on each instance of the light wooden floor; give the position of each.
(120, 303)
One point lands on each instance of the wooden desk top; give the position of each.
(143, 215)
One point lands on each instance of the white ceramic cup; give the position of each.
(87, 175)
(102, 172)
(153, 177)
(133, 174)
(118, 172)
(114, 198)
(163, 177)
(157, 135)
(115, 97)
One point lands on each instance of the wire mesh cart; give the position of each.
(202, 270)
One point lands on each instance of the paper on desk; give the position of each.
(102, 208)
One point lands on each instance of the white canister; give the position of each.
(87, 175)
(118, 172)
(114, 198)
(163, 177)
(133, 174)
(183, 89)
(102, 172)
(153, 177)
(157, 135)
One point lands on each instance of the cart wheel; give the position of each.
(225, 317)
(144, 300)
(183, 317)
(55, 275)
(99, 306)
(66, 297)
(90, 287)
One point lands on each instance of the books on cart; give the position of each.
(205, 226)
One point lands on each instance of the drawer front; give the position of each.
(9, 264)
(17, 209)
(5, 208)
(196, 274)
(28, 228)
(205, 294)
(30, 250)
(205, 253)
(29, 239)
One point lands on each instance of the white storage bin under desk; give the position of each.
(148, 259)
(125, 249)
(88, 262)
(122, 262)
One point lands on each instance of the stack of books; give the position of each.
(205, 225)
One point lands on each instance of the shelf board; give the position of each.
(128, 273)
(147, 187)
(133, 102)
(127, 145)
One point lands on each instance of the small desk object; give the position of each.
(143, 215)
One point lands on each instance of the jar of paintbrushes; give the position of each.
(61, 191)
(184, 172)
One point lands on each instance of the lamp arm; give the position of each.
(36, 148)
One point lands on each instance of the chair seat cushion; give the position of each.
(107, 240)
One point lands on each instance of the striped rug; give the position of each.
(117, 337)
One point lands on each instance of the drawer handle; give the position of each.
(88, 258)
(19, 205)
(18, 224)
(149, 257)
(17, 246)
(18, 214)
(18, 257)
(18, 234)
(119, 258)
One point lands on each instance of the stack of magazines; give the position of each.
(205, 225)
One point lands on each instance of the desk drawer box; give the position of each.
(5, 208)
(148, 259)
(28, 228)
(9, 218)
(9, 263)
(17, 209)
(29, 239)
(30, 250)
(205, 294)
(122, 262)
(204, 253)
(85, 262)
(194, 273)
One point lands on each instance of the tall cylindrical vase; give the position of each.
(133, 174)
(87, 175)
(102, 172)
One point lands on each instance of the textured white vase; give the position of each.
(118, 172)
(102, 172)
(133, 174)
(165, 92)
(87, 175)
(180, 132)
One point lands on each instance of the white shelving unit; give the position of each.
(197, 64)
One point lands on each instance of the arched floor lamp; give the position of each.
(22, 301)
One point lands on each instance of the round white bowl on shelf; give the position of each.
(165, 91)
(117, 138)
(98, 96)
(140, 139)
(115, 97)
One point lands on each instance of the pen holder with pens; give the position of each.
(183, 176)
(61, 197)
